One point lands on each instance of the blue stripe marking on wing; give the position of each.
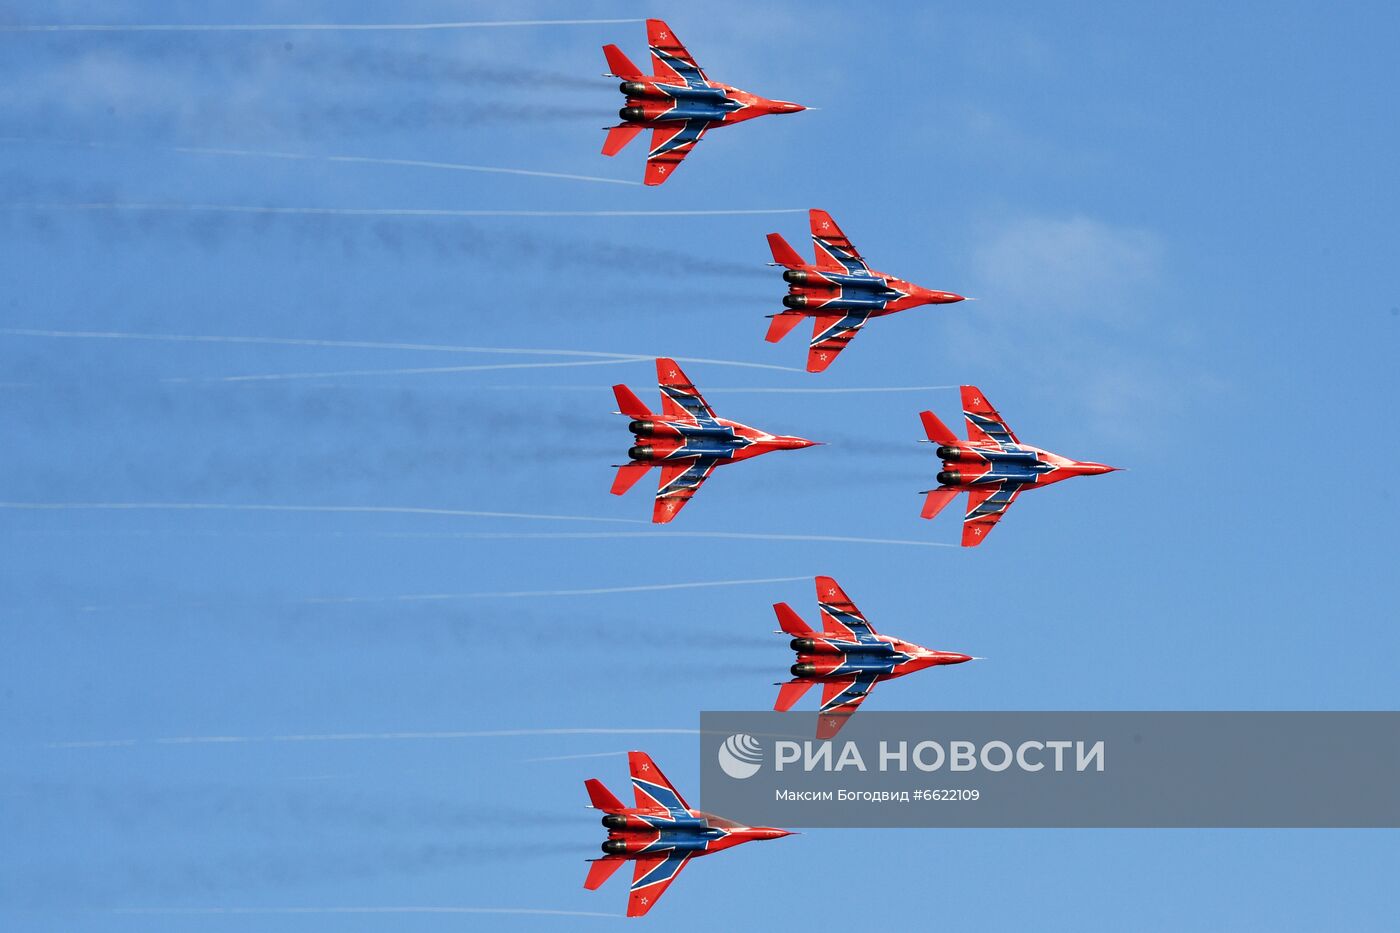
(688, 136)
(661, 794)
(694, 475)
(855, 623)
(664, 871)
(994, 504)
(689, 73)
(856, 692)
(853, 322)
(848, 260)
(998, 432)
(689, 402)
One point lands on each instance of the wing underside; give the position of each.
(830, 335)
(670, 144)
(680, 481)
(840, 699)
(651, 877)
(985, 423)
(839, 615)
(679, 397)
(834, 250)
(670, 59)
(985, 507)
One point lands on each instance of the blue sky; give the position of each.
(1181, 231)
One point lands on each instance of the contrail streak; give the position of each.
(572, 757)
(362, 737)
(716, 390)
(520, 594)
(411, 371)
(732, 535)
(302, 27)
(371, 345)
(306, 342)
(258, 507)
(377, 211)
(345, 159)
(210, 911)
(407, 163)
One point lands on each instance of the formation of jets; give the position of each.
(991, 466)
(676, 102)
(839, 292)
(687, 441)
(658, 835)
(846, 656)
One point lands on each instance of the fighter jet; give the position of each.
(991, 466)
(678, 103)
(687, 440)
(660, 834)
(846, 657)
(840, 292)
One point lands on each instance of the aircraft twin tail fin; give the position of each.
(600, 870)
(619, 137)
(628, 403)
(782, 325)
(937, 431)
(790, 621)
(619, 65)
(790, 692)
(601, 798)
(783, 253)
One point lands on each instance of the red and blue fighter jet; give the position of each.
(846, 657)
(678, 103)
(991, 466)
(659, 835)
(840, 292)
(686, 440)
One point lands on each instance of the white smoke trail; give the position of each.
(730, 535)
(572, 757)
(377, 211)
(260, 507)
(524, 594)
(410, 371)
(365, 737)
(720, 390)
(307, 342)
(344, 159)
(214, 911)
(302, 27)
(371, 345)
(406, 163)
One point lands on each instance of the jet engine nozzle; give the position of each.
(944, 452)
(633, 88)
(795, 301)
(795, 276)
(803, 645)
(643, 452)
(632, 114)
(642, 428)
(615, 847)
(615, 821)
(949, 478)
(803, 670)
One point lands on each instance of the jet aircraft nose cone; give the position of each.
(1094, 469)
(952, 657)
(786, 106)
(797, 443)
(768, 832)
